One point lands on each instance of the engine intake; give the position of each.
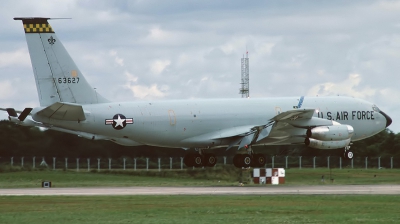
(331, 133)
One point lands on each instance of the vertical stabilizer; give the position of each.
(57, 77)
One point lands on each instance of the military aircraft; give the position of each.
(69, 104)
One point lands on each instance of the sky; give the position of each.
(179, 49)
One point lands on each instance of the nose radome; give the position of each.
(388, 119)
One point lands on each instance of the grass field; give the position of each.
(200, 209)
(197, 209)
(227, 176)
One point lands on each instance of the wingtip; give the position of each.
(30, 18)
(37, 18)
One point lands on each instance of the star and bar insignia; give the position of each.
(119, 121)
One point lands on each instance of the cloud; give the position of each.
(387, 96)
(130, 77)
(148, 92)
(165, 37)
(234, 45)
(15, 58)
(158, 66)
(393, 6)
(157, 34)
(6, 90)
(265, 48)
(348, 87)
(117, 59)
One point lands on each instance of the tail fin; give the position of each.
(57, 77)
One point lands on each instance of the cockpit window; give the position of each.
(375, 108)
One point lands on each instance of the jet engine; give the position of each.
(331, 133)
(329, 137)
(318, 144)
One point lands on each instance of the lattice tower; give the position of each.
(244, 90)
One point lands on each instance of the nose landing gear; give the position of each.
(347, 154)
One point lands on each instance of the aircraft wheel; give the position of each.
(259, 160)
(189, 159)
(246, 160)
(348, 155)
(210, 159)
(198, 160)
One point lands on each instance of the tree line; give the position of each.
(19, 141)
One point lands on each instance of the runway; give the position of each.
(253, 190)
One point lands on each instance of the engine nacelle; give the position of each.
(331, 133)
(314, 143)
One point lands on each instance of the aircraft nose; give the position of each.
(388, 119)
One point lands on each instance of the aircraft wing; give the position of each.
(298, 118)
(247, 135)
(63, 111)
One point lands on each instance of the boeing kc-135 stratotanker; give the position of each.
(69, 104)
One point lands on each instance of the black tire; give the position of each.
(259, 160)
(210, 160)
(198, 160)
(349, 155)
(246, 160)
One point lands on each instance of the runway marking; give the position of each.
(253, 190)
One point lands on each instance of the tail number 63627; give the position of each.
(68, 80)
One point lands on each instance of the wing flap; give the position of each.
(63, 111)
(246, 140)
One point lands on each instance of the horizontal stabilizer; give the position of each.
(63, 111)
(24, 114)
(11, 112)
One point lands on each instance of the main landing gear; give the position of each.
(200, 159)
(249, 160)
(347, 154)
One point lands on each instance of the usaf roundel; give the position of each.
(119, 121)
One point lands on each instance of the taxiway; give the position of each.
(253, 190)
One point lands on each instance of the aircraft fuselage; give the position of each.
(179, 123)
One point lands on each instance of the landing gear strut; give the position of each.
(347, 153)
(249, 160)
(200, 159)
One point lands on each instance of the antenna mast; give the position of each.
(245, 91)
